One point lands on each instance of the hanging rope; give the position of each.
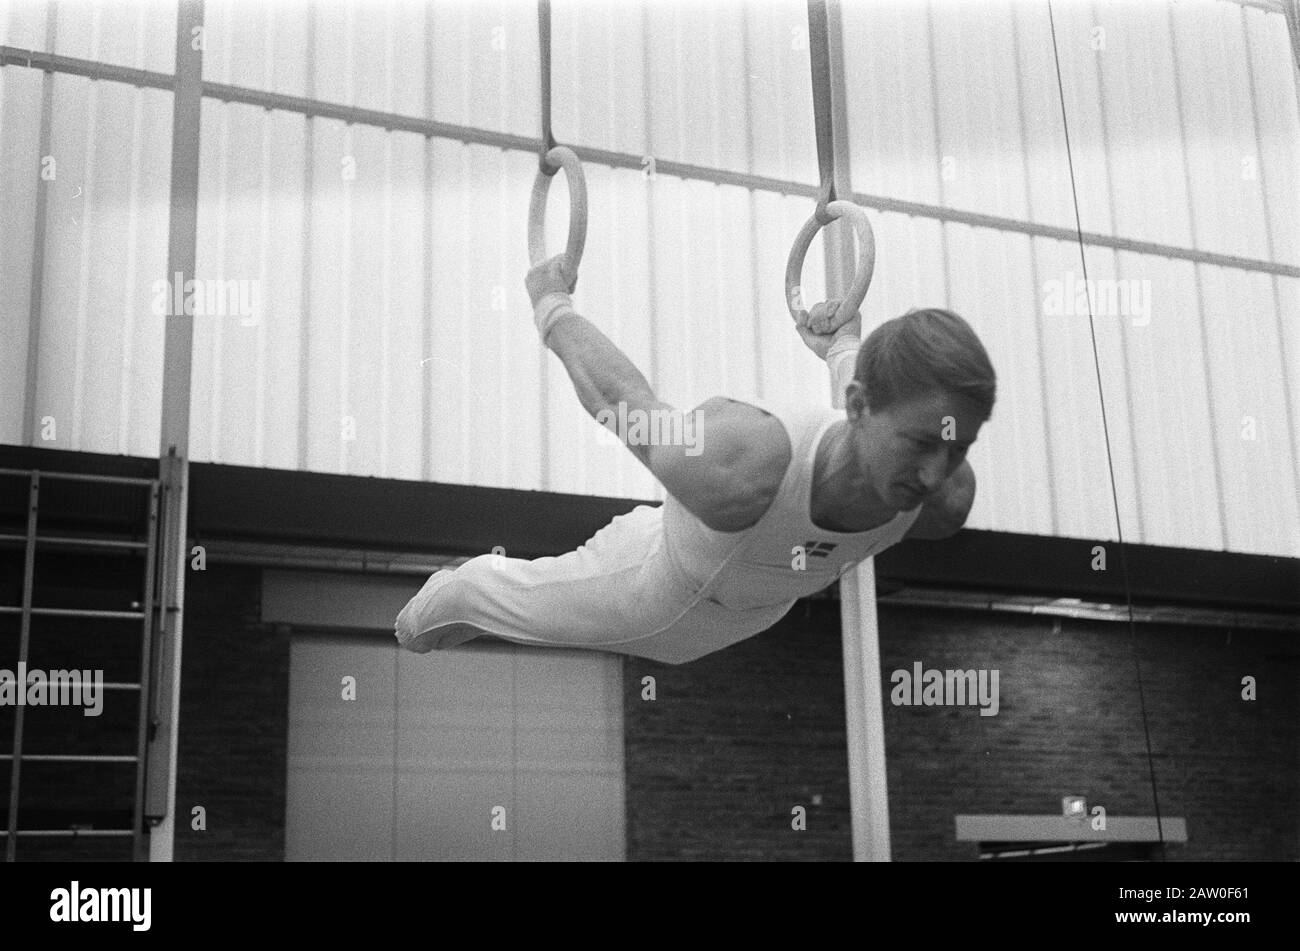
(829, 206)
(544, 51)
(819, 54)
(550, 159)
(1110, 463)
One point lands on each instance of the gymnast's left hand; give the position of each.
(826, 314)
(552, 276)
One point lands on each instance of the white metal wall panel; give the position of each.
(476, 62)
(20, 136)
(488, 407)
(1219, 118)
(96, 239)
(973, 63)
(258, 45)
(99, 347)
(250, 416)
(1189, 166)
(137, 33)
(1286, 300)
(363, 325)
(721, 84)
(1278, 128)
(479, 61)
(1259, 494)
(1127, 134)
(955, 104)
(1180, 133)
(890, 92)
(393, 336)
(947, 99)
(485, 65)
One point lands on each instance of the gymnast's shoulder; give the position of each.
(734, 470)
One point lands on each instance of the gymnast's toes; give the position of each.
(416, 622)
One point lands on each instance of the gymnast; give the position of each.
(772, 505)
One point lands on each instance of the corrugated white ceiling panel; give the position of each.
(1218, 117)
(392, 335)
(484, 356)
(956, 104)
(475, 62)
(1278, 130)
(1160, 404)
(1259, 490)
(256, 44)
(888, 76)
(1286, 296)
(485, 65)
(978, 141)
(20, 137)
(99, 365)
(1030, 470)
(723, 85)
(137, 33)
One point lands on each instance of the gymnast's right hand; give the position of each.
(826, 314)
(552, 276)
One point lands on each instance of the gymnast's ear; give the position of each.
(855, 400)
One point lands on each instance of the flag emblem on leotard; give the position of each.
(819, 549)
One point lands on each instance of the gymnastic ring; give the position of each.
(866, 259)
(557, 158)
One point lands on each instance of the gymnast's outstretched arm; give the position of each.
(704, 477)
(602, 374)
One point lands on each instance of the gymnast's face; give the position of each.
(908, 449)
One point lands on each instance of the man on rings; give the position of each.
(770, 505)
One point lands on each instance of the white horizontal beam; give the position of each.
(1061, 829)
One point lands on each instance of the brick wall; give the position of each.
(234, 721)
(736, 739)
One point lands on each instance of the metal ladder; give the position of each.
(137, 832)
